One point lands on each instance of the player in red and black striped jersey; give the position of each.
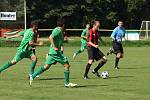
(93, 51)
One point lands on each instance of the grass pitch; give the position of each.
(131, 82)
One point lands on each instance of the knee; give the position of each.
(119, 55)
(46, 67)
(104, 59)
(66, 66)
(13, 62)
(90, 61)
(34, 58)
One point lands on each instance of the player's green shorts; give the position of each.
(53, 58)
(83, 45)
(22, 54)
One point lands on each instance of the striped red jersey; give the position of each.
(92, 37)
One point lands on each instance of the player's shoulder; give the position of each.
(28, 32)
(116, 28)
(90, 30)
(57, 29)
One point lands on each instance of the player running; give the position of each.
(93, 52)
(20, 33)
(117, 36)
(25, 50)
(55, 54)
(83, 41)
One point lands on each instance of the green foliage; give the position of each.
(108, 11)
(75, 42)
(74, 11)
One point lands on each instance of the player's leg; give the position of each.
(100, 65)
(111, 51)
(119, 55)
(82, 48)
(98, 55)
(64, 61)
(7, 65)
(90, 61)
(49, 61)
(19, 56)
(33, 64)
(66, 73)
(38, 72)
(66, 76)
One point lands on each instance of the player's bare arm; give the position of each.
(14, 36)
(39, 43)
(84, 37)
(93, 45)
(52, 42)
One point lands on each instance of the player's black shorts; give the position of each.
(117, 47)
(94, 53)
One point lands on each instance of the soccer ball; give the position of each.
(105, 75)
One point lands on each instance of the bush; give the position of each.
(76, 42)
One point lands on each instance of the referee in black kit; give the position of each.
(117, 35)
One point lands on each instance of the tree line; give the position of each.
(79, 12)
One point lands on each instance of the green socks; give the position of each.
(31, 70)
(78, 52)
(66, 76)
(5, 66)
(37, 72)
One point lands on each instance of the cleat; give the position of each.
(74, 55)
(117, 68)
(30, 81)
(86, 77)
(96, 73)
(31, 75)
(37, 76)
(70, 85)
(111, 50)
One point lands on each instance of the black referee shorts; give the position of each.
(94, 53)
(117, 47)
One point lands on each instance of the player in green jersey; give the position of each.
(83, 41)
(25, 50)
(55, 54)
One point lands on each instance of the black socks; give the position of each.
(117, 61)
(87, 69)
(99, 66)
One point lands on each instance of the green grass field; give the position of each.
(131, 82)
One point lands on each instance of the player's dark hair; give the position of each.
(34, 23)
(92, 23)
(60, 22)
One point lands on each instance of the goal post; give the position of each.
(144, 30)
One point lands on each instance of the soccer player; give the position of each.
(20, 33)
(93, 52)
(55, 54)
(83, 41)
(25, 49)
(117, 35)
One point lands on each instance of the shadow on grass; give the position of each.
(53, 78)
(120, 77)
(84, 86)
(136, 68)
